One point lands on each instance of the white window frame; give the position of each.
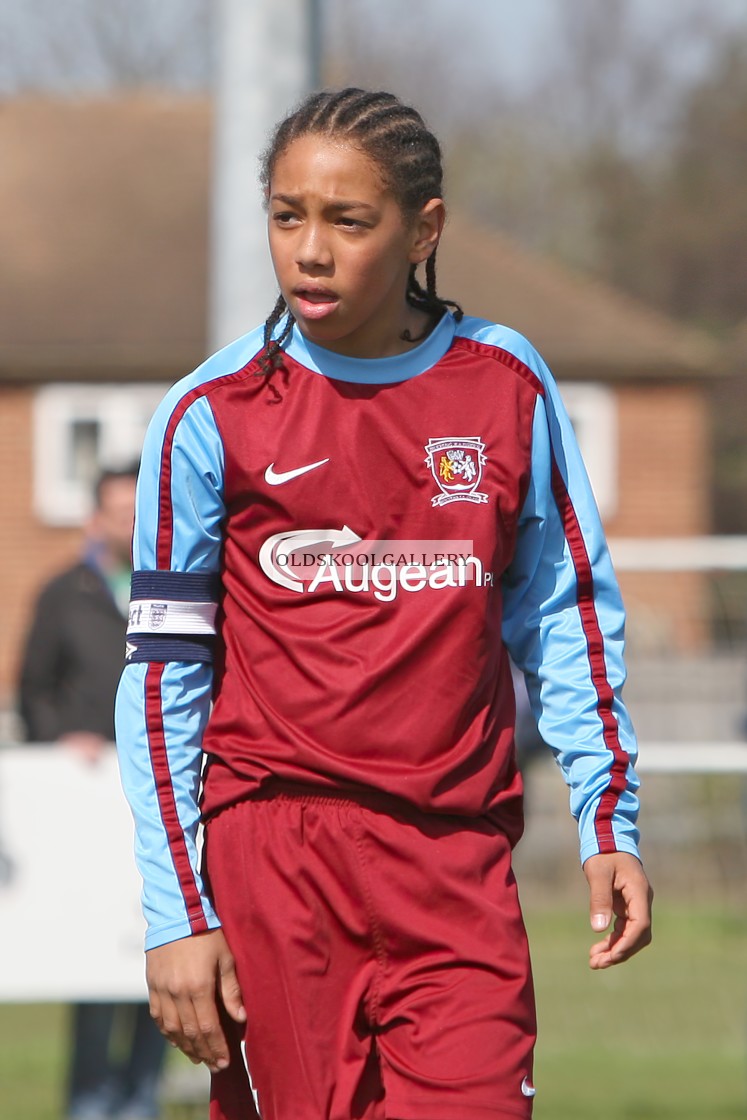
(62, 497)
(593, 412)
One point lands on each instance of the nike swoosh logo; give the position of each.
(277, 478)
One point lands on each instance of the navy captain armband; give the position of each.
(172, 616)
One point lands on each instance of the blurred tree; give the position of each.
(73, 46)
(704, 239)
(708, 252)
(611, 160)
(672, 230)
(671, 226)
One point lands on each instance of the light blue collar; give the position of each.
(375, 371)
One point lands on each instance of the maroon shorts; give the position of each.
(382, 960)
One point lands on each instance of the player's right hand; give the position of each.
(186, 980)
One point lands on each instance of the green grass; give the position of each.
(31, 1061)
(33, 1064)
(663, 1037)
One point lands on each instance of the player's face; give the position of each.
(342, 249)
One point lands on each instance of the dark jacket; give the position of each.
(73, 658)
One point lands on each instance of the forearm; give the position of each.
(161, 713)
(165, 692)
(564, 627)
(577, 699)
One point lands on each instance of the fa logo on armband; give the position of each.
(456, 465)
(157, 615)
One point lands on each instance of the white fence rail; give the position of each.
(693, 758)
(679, 554)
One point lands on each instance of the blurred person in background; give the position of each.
(71, 664)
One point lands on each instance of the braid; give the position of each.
(407, 154)
(271, 356)
(427, 299)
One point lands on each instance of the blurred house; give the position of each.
(729, 409)
(104, 218)
(103, 274)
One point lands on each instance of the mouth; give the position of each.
(315, 303)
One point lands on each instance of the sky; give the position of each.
(516, 39)
(531, 54)
(525, 28)
(478, 43)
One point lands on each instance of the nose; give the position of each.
(312, 249)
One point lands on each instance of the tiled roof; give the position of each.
(583, 327)
(103, 234)
(104, 257)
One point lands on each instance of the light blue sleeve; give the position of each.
(162, 705)
(563, 625)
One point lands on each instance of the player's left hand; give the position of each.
(619, 887)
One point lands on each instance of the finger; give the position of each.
(600, 897)
(156, 1009)
(183, 1027)
(206, 1035)
(633, 926)
(167, 1018)
(189, 1020)
(634, 934)
(230, 992)
(628, 938)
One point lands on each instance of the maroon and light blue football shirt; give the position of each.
(328, 586)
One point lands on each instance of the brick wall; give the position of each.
(664, 462)
(664, 484)
(31, 552)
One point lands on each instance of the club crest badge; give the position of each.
(157, 615)
(456, 465)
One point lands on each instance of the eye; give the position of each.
(284, 218)
(351, 223)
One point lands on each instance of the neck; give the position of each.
(107, 560)
(426, 328)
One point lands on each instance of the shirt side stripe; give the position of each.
(595, 646)
(167, 801)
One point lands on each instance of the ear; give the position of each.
(426, 230)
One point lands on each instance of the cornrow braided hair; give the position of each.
(408, 156)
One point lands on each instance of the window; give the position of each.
(78, 431)
(593, 413)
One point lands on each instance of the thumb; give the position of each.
(600, 887)
(230, 993)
